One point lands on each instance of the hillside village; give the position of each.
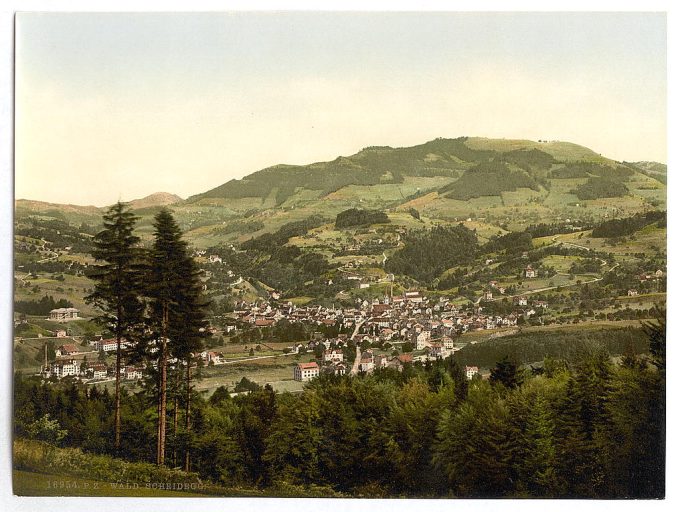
(398, 270)
(427, 327)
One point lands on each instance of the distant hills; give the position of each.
(508, 183)
(471, 167)
(157, 199)
(43, 207)
(524, 161)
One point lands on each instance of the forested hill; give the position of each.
(507, 183)
(523, 163)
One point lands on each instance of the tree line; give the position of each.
(359, 217)
(629, 225)
(40, 307)
(584, 427)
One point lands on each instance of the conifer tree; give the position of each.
(117, 286)
(177, 317)
(506, 373)
(189, 331)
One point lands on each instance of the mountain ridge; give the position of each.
(507, 183)
(374, 165)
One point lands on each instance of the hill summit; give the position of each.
(156, 199)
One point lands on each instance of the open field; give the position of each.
(644, 241)
(277, 371)
(561, 264)
(70, 287)
(560, 150)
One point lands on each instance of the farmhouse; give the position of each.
(529, 272)
(66, 350)
(210, 357)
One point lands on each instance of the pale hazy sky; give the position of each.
(113, 106)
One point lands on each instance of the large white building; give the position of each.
(64, 314)
(305, 371)
(64, 368)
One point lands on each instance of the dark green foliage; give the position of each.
(118, 285)
(596, 188)
(556, 228)
(370, 166)
(174, 289)
(175, 324)
(512, 243)
(357, 217)
(284, 267)
(586, 429)
(40, 307)
(506, 373)
(583, 419)
(530, 347)
(58, 233)
(627, 226)
(569, 172)
(427, 253)
(656, 332)
(488, 179)
(118, 276)
(246, 384)
(529, 159)
(473, 447)
(269, 241)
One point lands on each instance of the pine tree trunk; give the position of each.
(187, 455)
(117, 398)
(117, 391)
(175, 419)
(163, 392)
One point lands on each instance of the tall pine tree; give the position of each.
(117, 286)
(176, 313)
(189, 330)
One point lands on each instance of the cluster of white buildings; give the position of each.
(95, 371)
(391, 317)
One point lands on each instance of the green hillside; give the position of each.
(493, 186)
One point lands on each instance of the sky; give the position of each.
(119, 106)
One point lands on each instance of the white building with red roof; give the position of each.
(305, 371)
